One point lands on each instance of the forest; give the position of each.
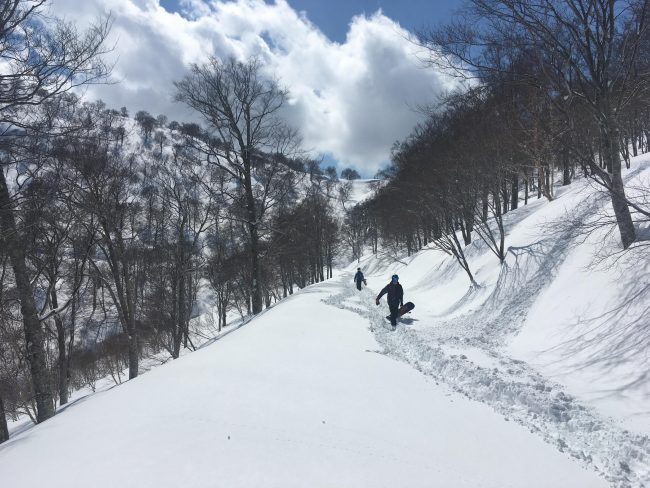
(555, 91)
(113, 227)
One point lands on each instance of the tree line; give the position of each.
(555, 90)
(112, 229)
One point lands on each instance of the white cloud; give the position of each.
(351, 99)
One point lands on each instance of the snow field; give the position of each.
(301, 396)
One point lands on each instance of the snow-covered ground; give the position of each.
(303, 395)
(362, 190)
(537, 378)
(556, 339)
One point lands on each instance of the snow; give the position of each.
(301, 396)
(537, 378)
(594, 341)
(362, 190)
(556, 339)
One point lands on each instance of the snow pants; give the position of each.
(394, 311)
(359, 285)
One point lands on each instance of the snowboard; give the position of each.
(406, 308)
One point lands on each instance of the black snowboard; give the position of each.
(406, 308)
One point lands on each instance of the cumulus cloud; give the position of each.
(350, 100)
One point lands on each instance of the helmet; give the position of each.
(394, 278)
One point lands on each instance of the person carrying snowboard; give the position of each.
(358, 279)
(395, 297)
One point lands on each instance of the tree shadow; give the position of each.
(616, 338)
(620, 336)
(25, 431)
(471, 294)
(527, 271)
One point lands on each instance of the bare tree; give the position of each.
(585, 49)
(58, 251)
(39, 64)
(187, 211)
(4, 429)
(242, 108)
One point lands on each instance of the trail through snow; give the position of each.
(299, 397)
(554, 339)
(518, 393)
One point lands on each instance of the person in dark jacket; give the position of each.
(395, 297)
(358, 279)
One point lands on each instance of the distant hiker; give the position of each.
(358, 279)
(395, 297)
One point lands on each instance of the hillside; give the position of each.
(302, 396)
(556, 338)
(177, 301)
(483, 392)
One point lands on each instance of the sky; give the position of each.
(332, 17)
(354, 76)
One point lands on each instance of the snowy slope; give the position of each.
(362, 190)
(302, 396)
(556, 339)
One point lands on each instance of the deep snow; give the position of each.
(556, 339)
(301, 396)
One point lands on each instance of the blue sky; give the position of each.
(333, 16)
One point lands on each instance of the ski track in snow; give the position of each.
(512, 389)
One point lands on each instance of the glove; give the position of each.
(377, 301)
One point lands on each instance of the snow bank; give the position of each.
(556, 338)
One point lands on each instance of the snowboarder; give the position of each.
(395, 297)
(358, 279)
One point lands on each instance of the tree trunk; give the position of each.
(73, 319)
(466, 229)
(457, 251)
(617, 191)
(256, 275)
(4, 429)
(625, 151)
(566, 171)
(134, 349)
(32, 326)
(124, 296)
(526, 189)
(514, 191)
(179, 326)
(622, 211)
(62, 361)
(134, 354)
(484, 210)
